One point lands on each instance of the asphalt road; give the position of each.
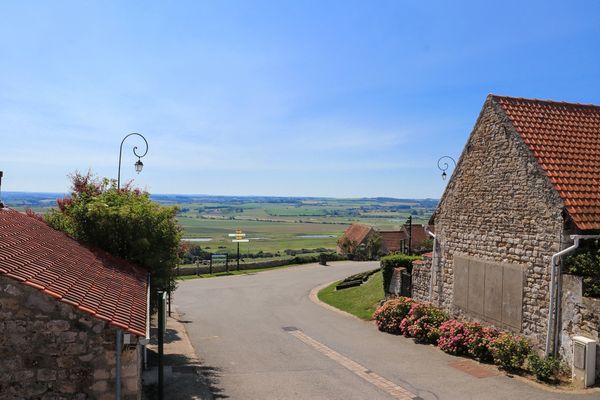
(261, 337)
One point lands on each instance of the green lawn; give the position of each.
(360, 301)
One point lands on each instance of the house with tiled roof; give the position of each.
(72, 318)
(353, 237)
(391, 241)
(526, 187)
(398, 241)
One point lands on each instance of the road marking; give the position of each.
(397, 392)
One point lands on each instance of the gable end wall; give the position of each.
(500, 207)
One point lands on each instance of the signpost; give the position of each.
(239, 238)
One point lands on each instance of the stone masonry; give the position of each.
(395, 282)
(499, 207)
(421, 273)
(580, 316)
(50, 350)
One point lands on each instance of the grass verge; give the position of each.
(360, 301)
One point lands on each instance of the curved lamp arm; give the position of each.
(444, 166)
(138, 164)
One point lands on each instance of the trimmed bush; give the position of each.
(584, 263)
(388, 263)
(544, 368)
(470, 338)
(510, 351)
(389, 316)
(348, 284)
(479, 345)
(453, 337)
(423, 322)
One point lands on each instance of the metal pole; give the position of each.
(169, 292)
(161, 327)
(444, 167)
(118, 349)
(227, 262)
(210, 266)
(134, 152)
(410, 235)
(238, 256)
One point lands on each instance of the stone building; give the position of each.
(528, 179)
(63, 309)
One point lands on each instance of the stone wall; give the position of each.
(396, 282)
(499, 207)
(580, 316)
(50, 350)
(421, 275)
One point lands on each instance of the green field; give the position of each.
(273, 224)
(294, 225)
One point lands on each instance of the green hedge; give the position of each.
(388, 263)
(585, 262)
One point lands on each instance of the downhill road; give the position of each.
(261, 337)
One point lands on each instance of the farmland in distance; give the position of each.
(273, 224)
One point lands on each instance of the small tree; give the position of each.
(373, 245)
(124, 222)
(347, 246)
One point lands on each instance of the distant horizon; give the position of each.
(2, 193)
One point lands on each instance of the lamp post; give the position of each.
(138, 164)
(444, 166)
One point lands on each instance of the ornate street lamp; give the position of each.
(138, 164)
(444, 166)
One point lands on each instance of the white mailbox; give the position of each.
(584, 361)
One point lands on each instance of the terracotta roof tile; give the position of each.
(357, 232)
(565, 139)
(96, 283)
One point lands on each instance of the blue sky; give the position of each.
(313, 98)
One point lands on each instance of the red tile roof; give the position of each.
(357, 232)
(92, 281)
(565, 139)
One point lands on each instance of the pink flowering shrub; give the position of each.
(471, 338)
(423, 322)
(480, 343)
(428, 324)
(389, 316)
(510, 351)
(453, 337)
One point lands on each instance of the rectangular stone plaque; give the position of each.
(461, 281)
(476, 295)
(493, 291)
(512, 295)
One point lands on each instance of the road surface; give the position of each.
(260, 337)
